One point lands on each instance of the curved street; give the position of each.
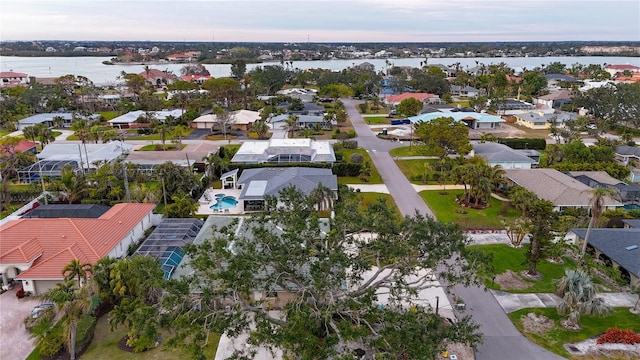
(501, 338)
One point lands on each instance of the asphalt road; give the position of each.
(502, 341)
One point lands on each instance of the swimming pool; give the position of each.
(631, 207)
(224, 202)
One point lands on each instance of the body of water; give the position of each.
(100, 74)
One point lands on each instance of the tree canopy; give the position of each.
(325, 287)
(444, 134)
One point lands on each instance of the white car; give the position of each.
(592, 127)
(39, 309)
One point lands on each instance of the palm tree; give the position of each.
(521, 199)
(291, 124)
(578, 293)
(72, 303)
(598, 196)
(163, 129)
(180, 131)
(74, 186)
(323, 197)
(76, 270)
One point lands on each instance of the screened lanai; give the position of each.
(166, 241)
(46, 168)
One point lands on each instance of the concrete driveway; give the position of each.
(15, 342)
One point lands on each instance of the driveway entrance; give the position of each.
(15, 341)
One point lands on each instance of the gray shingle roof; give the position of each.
(555, 186)
(257, 183)
(496, 153)
(634, 223)
(614, 244)
(628, 150)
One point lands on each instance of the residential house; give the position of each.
(285, 151)
(12, 78)
(133, 119)
(473, 120)
(559, 188)
(198, 79)
(464, 91)
(449, 72)
(628, 194)
(89, 156)
(34, 251)
(304, 95)
(157, 77)
(23, 146)
(616, 247)
(425, 98)
(506, 157)
(630, 157)
(258, 183)
(239, 119)
(59, 119)
(541, 119)
(304, 122)
(554, 80)
(615, 70)
(554, 100)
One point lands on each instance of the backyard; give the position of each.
(447, 210)
(554, 338)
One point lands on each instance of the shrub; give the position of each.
(619, 336)
(536, 144)
(20, 293)
(356, 158)
(350, 144)
(52, 343)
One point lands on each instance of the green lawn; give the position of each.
(444, 207)
(373, 179)
(159, 147)
(4, 132)
(105, 346)
(109, 115)
(369, 198)
(507, 258)
(592, 326)
(414, 170)
(376, 120)
(410, 151)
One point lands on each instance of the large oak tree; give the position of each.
(335, 281)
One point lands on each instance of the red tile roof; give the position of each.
(622, 67)
(12, 74)
(25, 145)
(52, 243)
(155, 73)
(418, 96)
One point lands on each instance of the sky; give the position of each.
(321, 20)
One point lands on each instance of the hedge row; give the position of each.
(526, 143)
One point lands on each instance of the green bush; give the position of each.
(356, 158)
(535, 144)
(52, 343)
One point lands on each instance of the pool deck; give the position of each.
(204, 205)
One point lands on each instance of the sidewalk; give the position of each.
(512, 302)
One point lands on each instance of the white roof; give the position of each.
(133, 116)
(261, 151)
(95, 152)
(240, 117)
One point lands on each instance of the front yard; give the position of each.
(105, 346)
(375, 177)
(507, 258)
(554, 338)
(447, 210)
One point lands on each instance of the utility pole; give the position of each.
(127, 194)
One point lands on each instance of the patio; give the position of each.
(208, 200)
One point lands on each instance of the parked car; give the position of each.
(592, 126)
(39, 309)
